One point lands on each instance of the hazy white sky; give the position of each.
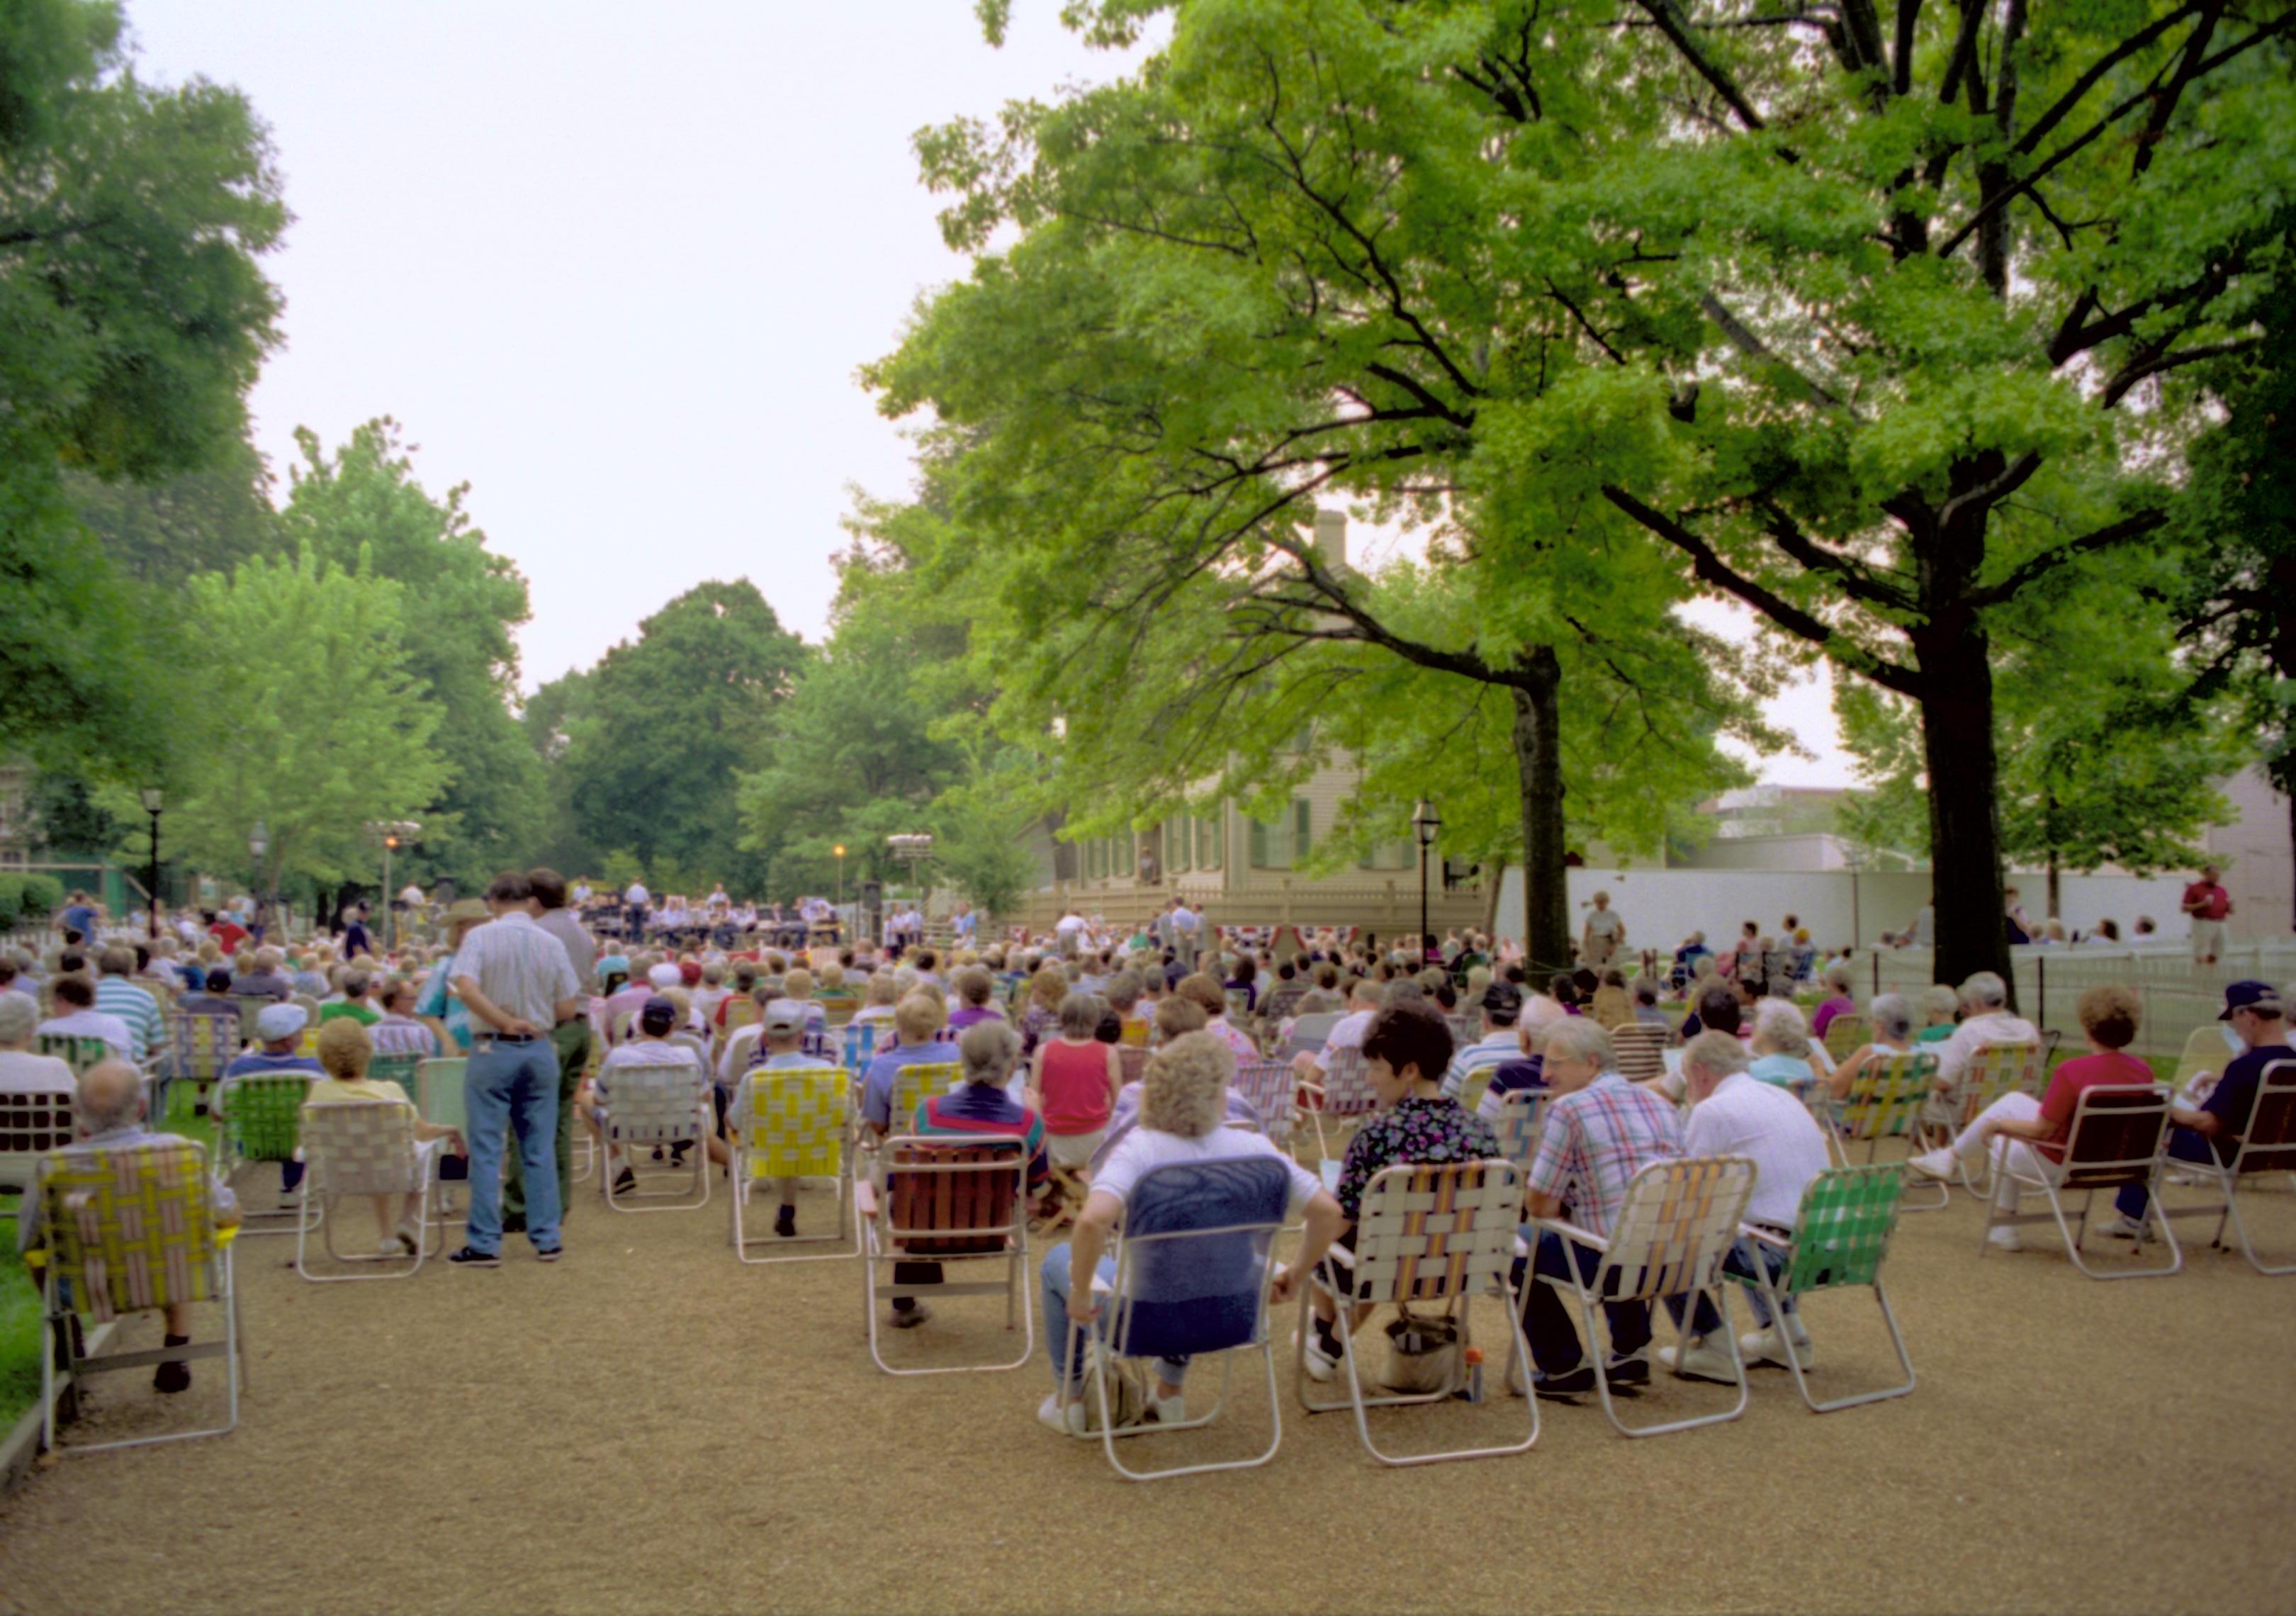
(615, 266)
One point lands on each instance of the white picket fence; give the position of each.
(2179, 994)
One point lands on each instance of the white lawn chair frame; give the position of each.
(1118, 1301)
(1426, 1234)
(1839, 1240)
(31, 1125)
(794, 1122)
(1994, 1069)
(2268, 1146)
(1345, 1099)
(1674, 1231)
(916, 1157)
(658, 1105)
(1521, 1121)
(1272, 1089)
(2116, 1138)
(366, 1148)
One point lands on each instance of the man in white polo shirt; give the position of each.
(1736, 1114)
(1501, 1008)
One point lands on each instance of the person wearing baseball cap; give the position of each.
(1502, 1010)
(279, 1030)
(650, 1045)
(463, 917)
(2213, 1133)
(781, 1036)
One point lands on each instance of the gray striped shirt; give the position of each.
(519, 966)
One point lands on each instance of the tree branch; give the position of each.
(2049, 560)
(2138, 370)
(1669, 18)
(2030, 141)
(1857, 579)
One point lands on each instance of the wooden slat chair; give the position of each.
(201, 1044)
(2268, 1146)
(1343, 1098)
(31, 1125)
(947, 1201)
(260, 1120)
(1641, 1051)
(1271, 1087)
(1193, 1268)
(653, 1106)
(1676, 1228)
(1840, 1235)
(1848, 1033)
(794, 1122)
(130, 1231)
(2116, 1138)
(366, 1148)
(1425, 1236)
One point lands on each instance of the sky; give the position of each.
(617, 267)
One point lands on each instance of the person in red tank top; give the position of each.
(1075, 1079)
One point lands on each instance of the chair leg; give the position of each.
(1800, 1376)
(1598, 1354)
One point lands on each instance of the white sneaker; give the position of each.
(1939, 1164)
(1066, 1418)
(2005, 1240)
(1764, 1346)
(1321, 1365)
(390, 1248)
(2122, 1227)
(1694, 1361)
(1167, 1410)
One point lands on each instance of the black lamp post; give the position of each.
(258, 843)
(1426, 821)
(152, 802)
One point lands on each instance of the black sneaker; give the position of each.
(1628, 1371)
(1570, 1383)
(174, 1376)
(548, 1253)
(470, 1257)
(626, 1181)
(786, 1223)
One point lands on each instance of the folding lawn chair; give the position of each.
(2207, 1049)
(79, 1054)
(1193, 1269)
(942, 1202)
(1994, 1070)
(1848, 1033)
(201, 1044)
(1641, 1051)
(1884, 1098)
(130, 1230)
(1425, 1234)
(1678, 1223)
(1344, 1097)
(31, 1125)
(1518, 1126)
(860, 1046)
(260, 1118)
(2117, 1137)
(2268, 1146)
(366, 1148)
(657, 1106)
(1840, 1235)
(1272, 1089)
(794, 1122)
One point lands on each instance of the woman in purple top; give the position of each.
(1838, 1000)
(975, 988)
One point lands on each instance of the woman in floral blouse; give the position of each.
(1405, 1051)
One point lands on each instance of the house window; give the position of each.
(1388, 855)
(1283, 845)
(1122, 848)
(1211, 841)
(1095, 860)
(1175, 844)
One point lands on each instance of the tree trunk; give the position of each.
(1497, 880)
(1538, 762)
(1973, 933)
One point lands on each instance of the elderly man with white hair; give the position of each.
(76, 1017)
(1734, 1113)
(23, 1073)
(1986, 1020)
(110, 1105)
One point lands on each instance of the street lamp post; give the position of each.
(1426, 821)
(258, 843)
(840, 851)
(389, 846)
(152, 802)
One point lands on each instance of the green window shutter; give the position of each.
(1300, 830)
(1211, 841)
(1259, 845)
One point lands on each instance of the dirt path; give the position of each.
(649, 1426)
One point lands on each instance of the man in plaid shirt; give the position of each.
(1600, 1131)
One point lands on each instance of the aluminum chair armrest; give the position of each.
(1769, 1237)
(864, 1198)
(1571, 1232)
(1309, 1086)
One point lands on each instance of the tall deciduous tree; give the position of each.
(131, 217)
(310, 721)
(362, 507)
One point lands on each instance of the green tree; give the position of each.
(1262, 272)
(362, 507)
(131, 217)
(669, 721)
(311, 721)
(208, 519)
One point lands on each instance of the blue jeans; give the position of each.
(1068, 1374)
(1739, 1265)
(1547, 1320)
(2183, 1145)
(511, 1086)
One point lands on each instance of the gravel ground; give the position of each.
(649, 1427)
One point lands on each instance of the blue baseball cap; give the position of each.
(2262, 997)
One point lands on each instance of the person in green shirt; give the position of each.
(1941, 1013)
(353, 1005)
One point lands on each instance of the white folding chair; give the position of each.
(366, 1148)
(1343, 1098)
(653, 1106)
(2268, 1146)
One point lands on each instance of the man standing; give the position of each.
(516, 982)
(968, 926)
(2209, 905)
(570, 1036)
(356, 939)
(1186, 925)
(1068, 932)
(1605, 934)
(634, 899)
(78, 916)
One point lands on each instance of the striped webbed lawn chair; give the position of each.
(657, 1106)
(793, 1122)
(1848, 1033)
(201, 1044)
(1675, 1230)
(1344, 1098)
(913, 1085)
(1518, 1126)
(1994, 1070)
(2116, 1138)
(31, 1125)
(860, 1046)
(1427, 1235)
(261, 1117)
(944, 1199)
(366, 1148)
(2268, 1146)
(1640, 1049)
(1885, 1098)
(1194, 1262)
(1271, 1087)
(1840, 1235)
(130, 1230)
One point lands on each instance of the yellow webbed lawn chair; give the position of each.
(794, 1122)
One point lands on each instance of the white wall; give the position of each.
(1663, 907)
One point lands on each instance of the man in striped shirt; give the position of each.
(399, 1032)
(1600, 1131)
(116, 994)
(1500, 1043)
